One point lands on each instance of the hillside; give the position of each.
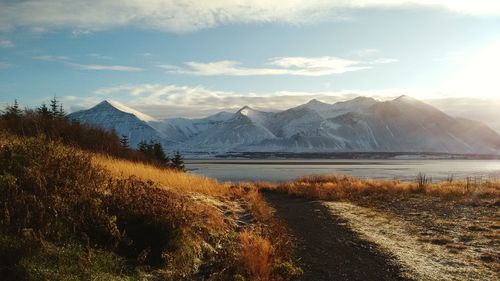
(74, 215)
(77, 204)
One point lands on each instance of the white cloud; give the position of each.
(105, 67)
(67, 61)
(81, 32)
(4, 43)
(189, 15)
(145, 55)
(302, 66)
(162, 101)
(383, 61)
(99, 56)
(51, 58)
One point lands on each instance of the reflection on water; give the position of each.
(284, 170)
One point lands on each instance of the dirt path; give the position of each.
(327, 249)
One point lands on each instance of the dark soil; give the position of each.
(326, 248)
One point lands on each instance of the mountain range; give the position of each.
(362, 124)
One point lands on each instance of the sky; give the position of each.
(194, 58)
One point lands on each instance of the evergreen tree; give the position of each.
(56, 110)
(160, 154)
(13, 111)
(124, 141)
(154, 151)
(178, 162)
(43, 110)
(61, 111)
(143, 147)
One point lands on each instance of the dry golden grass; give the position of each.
(148, 201)
(264, 242)
(450, 227)
(256, 255)
(167, 178)
(334, 187)
(6, 138)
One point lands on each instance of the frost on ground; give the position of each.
(457, 252)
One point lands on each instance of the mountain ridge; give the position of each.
(362, 124)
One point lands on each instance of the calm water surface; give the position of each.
(284, 170)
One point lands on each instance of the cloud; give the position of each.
(80, 32)
(199, 100)
(51, 58)
(99, 56)
(383, 61)
(145, 55)
(190, 15)
(163, 101)
(301, 66)
(105, 67)
(4, 43)
(67, 61)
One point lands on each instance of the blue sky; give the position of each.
(196, 58)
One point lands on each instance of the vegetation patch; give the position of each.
(448, 227)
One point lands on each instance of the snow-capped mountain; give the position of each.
(245, 127)
(359, 125)
(181, 129)
(124, 120)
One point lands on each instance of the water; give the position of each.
(285, 170)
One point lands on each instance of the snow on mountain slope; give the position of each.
(362, 124)
(181, 129)
(125, 121)
(178, 129)
(244, 128)
(259, 118)
(124, 108)
(294, 121)
(408, 125)
(315, 105)
(357, 105)
(218, 117)
(326, 110)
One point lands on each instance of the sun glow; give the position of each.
(478, 75)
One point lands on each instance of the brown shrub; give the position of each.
(273, 230)
(256, 254)
(49, 188)
(55, 193)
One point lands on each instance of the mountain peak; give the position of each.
(405, 98)
(103, 104)
(363, 99)
(246, 110)
(109, 104)
(315, 101)
(315, 104)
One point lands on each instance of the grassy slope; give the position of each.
(112, 219)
